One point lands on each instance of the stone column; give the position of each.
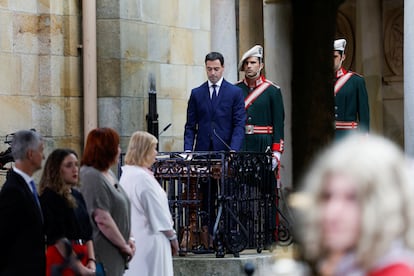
(408, 79)
(90, 94)
(369, 54)
(277, 17)
(223, 35)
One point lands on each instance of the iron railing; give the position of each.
(246, 213)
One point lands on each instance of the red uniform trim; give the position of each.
(346, 125)
(249, 100)
(252, 129)
(341, 81)
(279, 146)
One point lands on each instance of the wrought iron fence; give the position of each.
(244, 211)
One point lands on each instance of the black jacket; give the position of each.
(22, 237)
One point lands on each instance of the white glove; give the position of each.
(275, 159)
(187, 155)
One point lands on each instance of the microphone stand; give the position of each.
(221, 140)
(164, 129)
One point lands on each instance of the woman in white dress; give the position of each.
(151, 221)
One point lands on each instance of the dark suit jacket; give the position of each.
(206, 124)
(22, 238)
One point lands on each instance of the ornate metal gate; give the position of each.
(245, 213)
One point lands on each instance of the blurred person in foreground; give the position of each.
(107, 202)
(22, 237)
(357, 210)
(66, 216)
(152, 224)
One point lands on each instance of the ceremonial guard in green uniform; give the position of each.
(265, 116)
(351, 97)
(263, 102)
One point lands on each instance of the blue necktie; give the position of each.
(36, 197)
(34, 191)
(214, 96)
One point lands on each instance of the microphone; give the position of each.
(164, 129)
(221, 140)
(249, 268)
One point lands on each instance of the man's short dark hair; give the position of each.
(214, 56)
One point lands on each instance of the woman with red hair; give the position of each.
(107, 202)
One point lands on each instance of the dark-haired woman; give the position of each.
(65, 217)
(107, 202)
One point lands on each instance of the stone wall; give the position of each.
(41, 66)
(138, 39)
(40, 71)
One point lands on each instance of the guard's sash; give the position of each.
(341, 81)
(255, 94)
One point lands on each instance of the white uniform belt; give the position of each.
(345, 125)
(252, 129)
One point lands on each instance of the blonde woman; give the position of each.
(151, 219)
(359, 217)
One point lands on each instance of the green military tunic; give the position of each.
(351, 103)
(265, 110)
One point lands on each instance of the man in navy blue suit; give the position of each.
(215, 122)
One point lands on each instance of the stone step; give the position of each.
(209, 265)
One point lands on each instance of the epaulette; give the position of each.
(355, 73)
(272, 83)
